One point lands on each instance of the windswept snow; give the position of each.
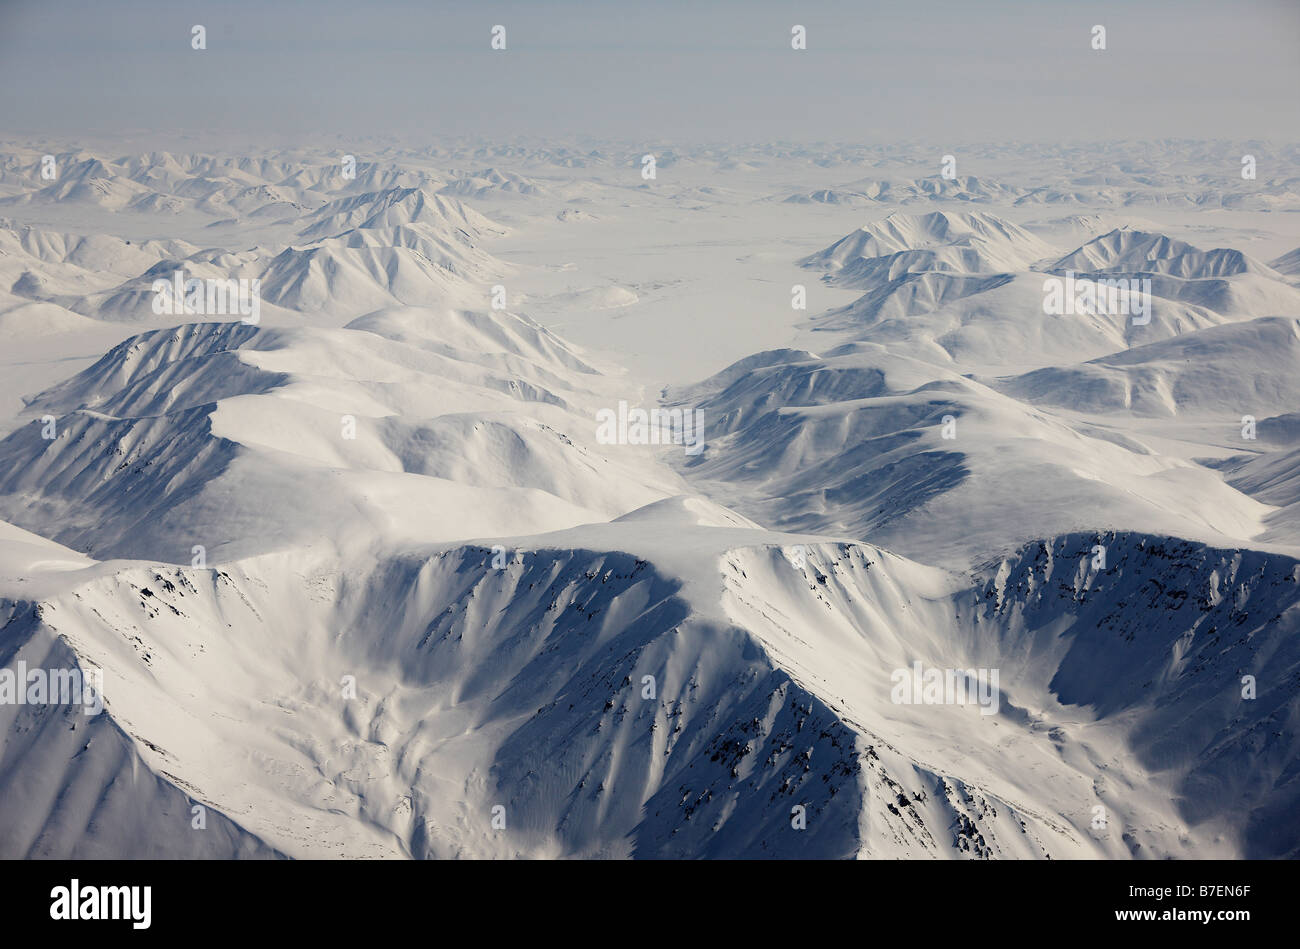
(366, 575)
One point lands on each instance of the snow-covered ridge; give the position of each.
(864, 443)
(366, 580)
(442, 423)
(524, 685)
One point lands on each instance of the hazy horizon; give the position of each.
(625, 71)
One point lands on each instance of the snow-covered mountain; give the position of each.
(525, 687)
(971, 242)
(433, 423)
(369, 577)
(972, 290)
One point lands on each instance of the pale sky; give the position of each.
(689, 70)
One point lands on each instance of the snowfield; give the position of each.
(364, 578)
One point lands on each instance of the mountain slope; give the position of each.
(433, 423)
(523, 686)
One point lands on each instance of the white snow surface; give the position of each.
(368, 579)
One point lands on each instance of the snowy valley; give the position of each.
(365, 577)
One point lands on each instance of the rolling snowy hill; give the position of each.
(366, 576)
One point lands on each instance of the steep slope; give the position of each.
(1159, 643)
(933, 464)
(421, 423)
(1124, 250)
(973, 302)
(1225, 371)
(1288, 264)
(552, 728)
(989, 243)
(400, 708)
(395, 207)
